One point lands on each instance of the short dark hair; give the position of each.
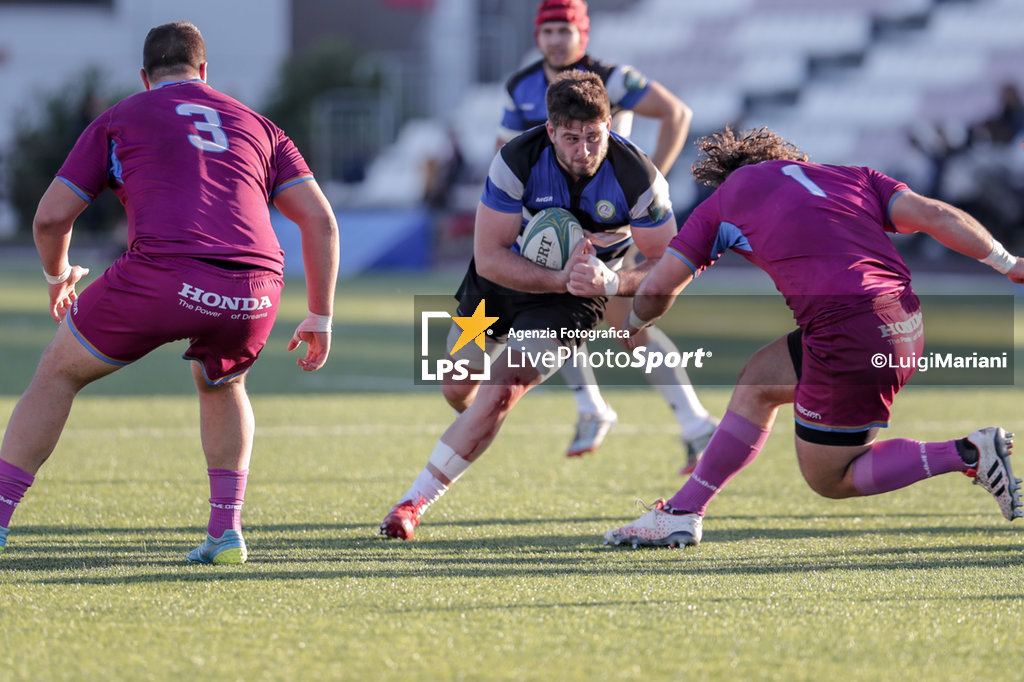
(726, 150)
(173, 47)
(577, 95)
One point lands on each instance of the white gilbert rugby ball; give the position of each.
(550, 237)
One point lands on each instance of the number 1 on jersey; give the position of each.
(797, 173)
(211, 125)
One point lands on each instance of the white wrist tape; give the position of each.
(999, 259)
(611, 278)
(315, 323)
(638, 322)
(57, 279)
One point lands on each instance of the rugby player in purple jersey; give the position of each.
(195, 171)
(820, 232)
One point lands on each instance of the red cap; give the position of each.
(571, 11)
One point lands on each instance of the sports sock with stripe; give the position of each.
(893, 464)
(736, 443)
(227, 494)
(14, 481)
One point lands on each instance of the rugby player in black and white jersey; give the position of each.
(561, 32)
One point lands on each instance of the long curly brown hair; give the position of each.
(726, 150)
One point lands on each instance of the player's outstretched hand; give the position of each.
(319, 347)
(1016, 273)
(315, 330)
(63, 295)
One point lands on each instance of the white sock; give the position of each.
(427, 485)
(583, 384)
(674, 386)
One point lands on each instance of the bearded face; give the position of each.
(580, 146)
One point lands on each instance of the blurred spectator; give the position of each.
(979, 168)
(1008, 123)
(937, 145)
(443, 172)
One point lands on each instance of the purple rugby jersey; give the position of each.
(819, 231)
(228, 162)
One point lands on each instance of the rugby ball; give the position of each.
(550, 237)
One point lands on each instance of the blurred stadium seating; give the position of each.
(844, 80)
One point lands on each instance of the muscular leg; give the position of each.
(460, 393)
(226, 422)
(226, 426)
(474, 430)
(854, 471)
(827, 468)
(38, 419)
(463, 442)
(65, 368)
(833, 471)
(766, 383)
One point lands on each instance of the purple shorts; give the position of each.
(141, 303)
(850, 371)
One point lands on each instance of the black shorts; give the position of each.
(518, 310)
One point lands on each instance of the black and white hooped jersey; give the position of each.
(526, 92)
(627, 192)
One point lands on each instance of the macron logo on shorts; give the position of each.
(810, 414)
(211, 299)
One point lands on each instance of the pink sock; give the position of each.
(227, 493)
(736, 442)
(892, 464)
(14, 481)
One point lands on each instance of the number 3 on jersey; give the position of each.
(210, 125)
(797, 173)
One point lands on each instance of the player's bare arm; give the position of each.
(651, 241)
(494, 235)
(657, 292)
(591, 277)
(675, 117)
(953, 228)
(305, 205)
(51, 229)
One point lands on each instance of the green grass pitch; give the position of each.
(508, 579)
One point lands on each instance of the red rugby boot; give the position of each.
(402, 520)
